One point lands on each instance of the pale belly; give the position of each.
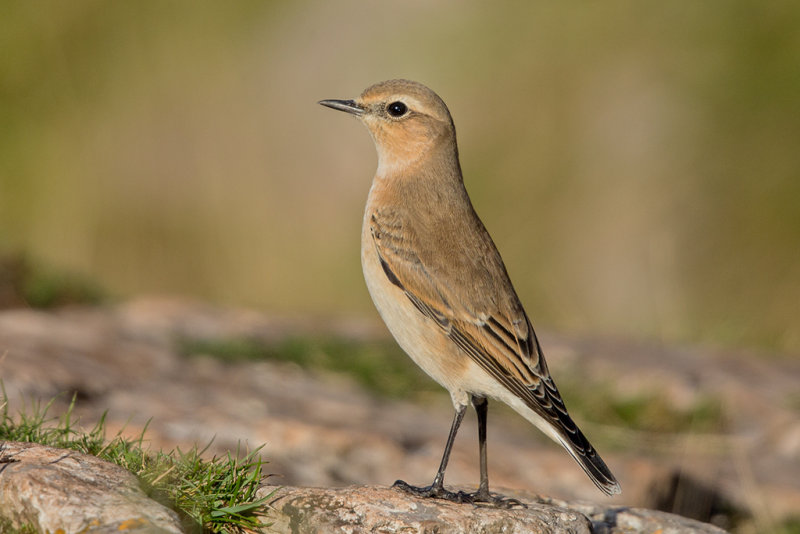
(425, 342)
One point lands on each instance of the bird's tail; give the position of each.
(579, 448)
(560, 427)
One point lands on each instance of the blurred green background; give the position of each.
(638, 163)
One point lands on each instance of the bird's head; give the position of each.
(407, 121)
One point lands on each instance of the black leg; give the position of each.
(483, 495)
(436, 489)
(481, 408)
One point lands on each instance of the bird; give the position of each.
(440, 285)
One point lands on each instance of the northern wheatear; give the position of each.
(441, 286)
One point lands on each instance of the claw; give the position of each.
(495, 499)
(479, 497)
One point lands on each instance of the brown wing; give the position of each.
(486, 321)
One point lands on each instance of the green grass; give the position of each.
(7, 527)
(380, 365)
(650, 411)
(788, 526)
(210, 495)
(382, 368)
(792, 402)
(28, 282)
(654, 412)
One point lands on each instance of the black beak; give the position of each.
(348, 106)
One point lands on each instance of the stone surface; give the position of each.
(362, 509)
(57, 490)
(61, 491)
(323, 430)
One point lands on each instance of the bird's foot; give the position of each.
(483, 496)
(478, 497)
(433, 491)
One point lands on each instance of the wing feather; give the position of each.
(487, 322)
(501, 341)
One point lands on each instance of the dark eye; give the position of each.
(396, 109)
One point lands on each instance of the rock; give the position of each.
(128, 362)
(357, 509)
(58, 490)
(631, 520)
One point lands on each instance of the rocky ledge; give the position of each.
(57, 490)
(63, 491)
(360, 509)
